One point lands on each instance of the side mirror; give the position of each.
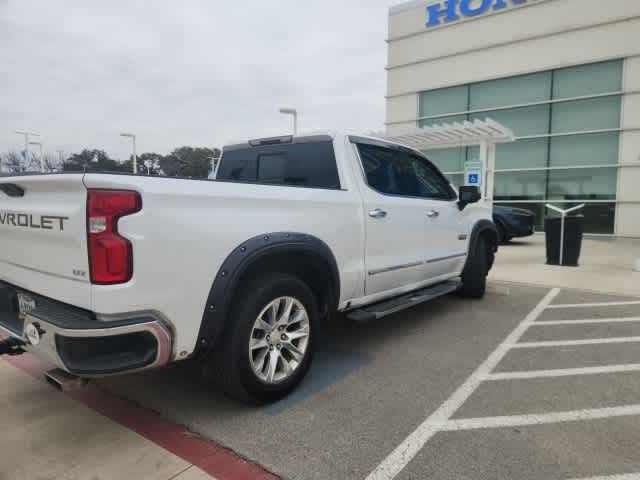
(468, 194)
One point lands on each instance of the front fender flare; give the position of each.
(483, 226)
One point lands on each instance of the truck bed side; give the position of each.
(187, 228)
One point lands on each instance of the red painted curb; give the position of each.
(205, 454)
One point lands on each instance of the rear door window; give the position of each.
(308, 164)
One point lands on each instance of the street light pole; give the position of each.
(293, 112)
(26, 141)
(135, 157)
(41, 157)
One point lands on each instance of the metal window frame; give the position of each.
(620, 93)
(542, 169)
(616, 166)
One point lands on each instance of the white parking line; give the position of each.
(591, 305)
(398, 459)
(563, 372)
(587, 321)
(539, 419)
(569, 343)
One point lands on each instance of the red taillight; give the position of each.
(110, 255)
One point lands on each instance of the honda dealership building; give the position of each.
(564, 75)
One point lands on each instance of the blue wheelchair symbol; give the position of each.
(473, 178)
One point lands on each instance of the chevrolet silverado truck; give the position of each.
(104, 273)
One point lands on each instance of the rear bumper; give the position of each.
(76, 341)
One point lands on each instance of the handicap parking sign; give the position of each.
(473, 173)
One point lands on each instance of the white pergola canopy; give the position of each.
(483, 133)
(456, 134)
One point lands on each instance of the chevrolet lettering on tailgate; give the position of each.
(25, 220)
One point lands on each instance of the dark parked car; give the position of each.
(513, 222)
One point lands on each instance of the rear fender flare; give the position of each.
(240, 259)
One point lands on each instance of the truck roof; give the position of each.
(318, 136)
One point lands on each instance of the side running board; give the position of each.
(397, 304)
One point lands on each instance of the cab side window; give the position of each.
(403, 173)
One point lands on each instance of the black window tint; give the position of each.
(398, 172)
(296, 164)
(238, 165)
(272, 167)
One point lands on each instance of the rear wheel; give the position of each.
(474, 275)
(269, 343)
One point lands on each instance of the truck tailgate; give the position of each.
(43, 236)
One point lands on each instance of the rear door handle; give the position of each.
(377, 213)
(433, 213)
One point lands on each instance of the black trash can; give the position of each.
(573, 229)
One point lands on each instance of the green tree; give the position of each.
(92, 160)
(148, 164)
(189, 162)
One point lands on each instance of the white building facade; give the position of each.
(564, 75)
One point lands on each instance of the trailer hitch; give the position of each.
(11, 346)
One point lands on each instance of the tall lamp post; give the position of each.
(26, 141)
(61, 158)
(294, 113)
(41, 157)
(135, 158)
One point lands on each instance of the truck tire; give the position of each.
(474, 275)
(268, 344)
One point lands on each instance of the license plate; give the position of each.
(25, 305)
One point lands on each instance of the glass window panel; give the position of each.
(598, 217)
(528, 153)
(596, 149)
(473, 154)
(395, 172)
(444, 100)
(511, 91)
(441, 120)
(582, 115)
(301, 164)
(523, 121)
(583, 184)
(447, 159)
(520, 185)
(456, 179)
(605, 77)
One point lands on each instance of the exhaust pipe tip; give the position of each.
(64, 381)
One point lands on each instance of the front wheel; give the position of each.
(269, 342)
(474, 275)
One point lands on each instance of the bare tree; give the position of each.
(52, 163)
(11, 162)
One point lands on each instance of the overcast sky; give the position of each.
(188, 72)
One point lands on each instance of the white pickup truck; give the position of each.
(111, 273)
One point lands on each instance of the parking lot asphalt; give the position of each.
(538, 383)
(371, 386)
